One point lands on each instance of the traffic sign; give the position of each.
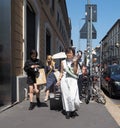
(84, 31)
(88, 9)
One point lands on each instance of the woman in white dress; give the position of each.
(68, 83)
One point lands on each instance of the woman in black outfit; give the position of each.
(31, 68)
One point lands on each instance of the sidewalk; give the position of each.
(92, 115)
(113, 109)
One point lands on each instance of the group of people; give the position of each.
(69, 82)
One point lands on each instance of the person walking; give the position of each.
(31, 67)
(51, 79)
(68, 83)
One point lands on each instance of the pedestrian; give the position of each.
(82, 79)
(68, 83)
(50, 68)
(80, 63)
(31, 68)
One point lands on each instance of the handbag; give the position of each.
(41, 79)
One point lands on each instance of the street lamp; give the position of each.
(117, 44)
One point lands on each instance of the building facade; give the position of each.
(110, 46)
(43, 25)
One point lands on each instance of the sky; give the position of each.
(108, 12)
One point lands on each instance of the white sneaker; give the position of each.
(46, 99)
(81, 102)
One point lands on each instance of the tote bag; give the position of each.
(41, 79)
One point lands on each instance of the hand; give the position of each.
(36, 66)
(58, 83)
(75, 58)
(32, 66)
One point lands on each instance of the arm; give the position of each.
(61, 73)
(75, 67)
(27, 66)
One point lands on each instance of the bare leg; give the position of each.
(31, 97)
(37, 97)
(31, 93)
(47, 95)
(36, 88)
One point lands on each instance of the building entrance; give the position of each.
(30, 30)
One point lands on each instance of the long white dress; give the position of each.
(69, 90)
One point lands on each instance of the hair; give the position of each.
(49, 57)
(70, 49)
(79, 51)
(33, 52)
(84, 66)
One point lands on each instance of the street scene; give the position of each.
(56, 72)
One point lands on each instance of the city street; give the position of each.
(85, 32)
(93, 115)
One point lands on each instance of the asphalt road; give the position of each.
(93, 115)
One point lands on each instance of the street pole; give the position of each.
(100, 70)
(89, 38)
(88, 32)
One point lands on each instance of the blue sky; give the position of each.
(108, 12)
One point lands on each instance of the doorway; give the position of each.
(48, 43)
(31, 42)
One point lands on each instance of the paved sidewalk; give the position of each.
(113, 109)
(92, 115)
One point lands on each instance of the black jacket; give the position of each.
(27, 67)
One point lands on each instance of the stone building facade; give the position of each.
(110, 46)
(43, 25)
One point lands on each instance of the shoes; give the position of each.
(38, 102)
(46, 99)
(31, 106)
(81, 102)
(74, 114)
(67, 115)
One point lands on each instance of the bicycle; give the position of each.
(91, 91)
(85, 81)
(97, 95)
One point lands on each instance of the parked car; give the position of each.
(110, 80)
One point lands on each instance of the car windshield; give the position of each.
(115, 70)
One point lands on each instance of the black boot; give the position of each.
(73, 114)
(67, 115)
(38, 102)
(31, 106)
